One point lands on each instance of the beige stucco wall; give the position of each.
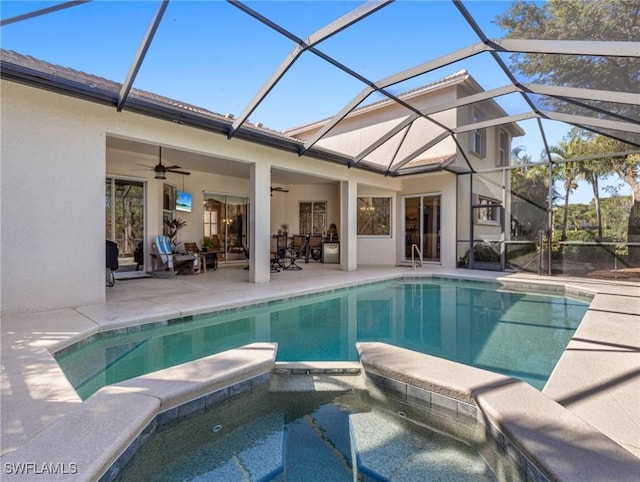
(380, 250)
(53, 159)
(52, 186)
(362, 128)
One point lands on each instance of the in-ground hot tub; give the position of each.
(318, 435)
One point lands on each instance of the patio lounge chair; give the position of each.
(168, 260)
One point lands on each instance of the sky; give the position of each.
(211, 54)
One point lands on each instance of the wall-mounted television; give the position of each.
(184, 201)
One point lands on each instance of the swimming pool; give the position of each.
(476, 323)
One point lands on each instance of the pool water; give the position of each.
(475, 323)
(306, 437)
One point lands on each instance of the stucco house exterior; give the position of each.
(67, 157)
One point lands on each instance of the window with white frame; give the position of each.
(478, 136)
(312, 217)
(488, 211)
(503, 148)
(374, 216)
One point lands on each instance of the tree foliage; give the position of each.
(529, 194)
(570, 148)
(607, 20)
(603, 20)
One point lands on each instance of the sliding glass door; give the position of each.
(226, 226)
(124, 224)
(422, 228)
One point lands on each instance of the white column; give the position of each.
(348, 227)
(260, 213)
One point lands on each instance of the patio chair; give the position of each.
(315, 247)
(190, 248)
(299, 246)
(138, 255)
(168, 260)
(275, 256)
(282, 246)
(297, 250)
(111, 261)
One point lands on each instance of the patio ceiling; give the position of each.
(301, 64)
(194, 161)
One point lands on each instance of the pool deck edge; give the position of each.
(35, 394)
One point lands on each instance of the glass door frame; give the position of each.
(419, 227)
(231, 250)
(129, 274)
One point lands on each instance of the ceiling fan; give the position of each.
(161, 170)
(278, 189)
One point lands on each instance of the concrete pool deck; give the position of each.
(597, 378)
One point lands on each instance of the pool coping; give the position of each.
(30, 344)
(102, 435)
(545, 440)
(512, 414)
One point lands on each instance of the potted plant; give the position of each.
(207, 244)
(173, 226)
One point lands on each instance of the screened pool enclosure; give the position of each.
(546, 151)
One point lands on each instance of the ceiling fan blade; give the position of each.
(185, 173)
(171, 167)
(144, 165)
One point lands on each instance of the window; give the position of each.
(478, 136)
(168, 205)
(490, 213)
(374, 216)
(211, 216)
(503, 149)
(312, 217)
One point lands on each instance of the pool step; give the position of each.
(317, 448)
(317, 368)
(388, 447)
(252, 452)
(316, 376)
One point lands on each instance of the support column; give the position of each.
(260, 212)
(348, 226)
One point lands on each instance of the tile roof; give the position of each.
(112, 89)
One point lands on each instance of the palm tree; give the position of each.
(569, 171)
(529, 191)
(591, 171)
